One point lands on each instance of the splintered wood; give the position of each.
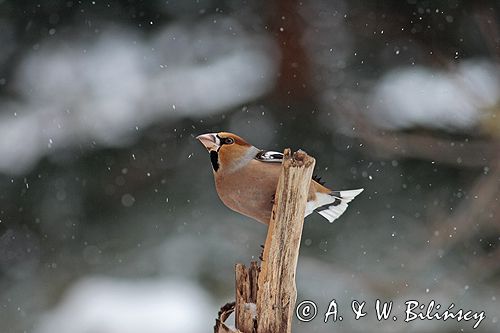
(266, 295)
(246, 296)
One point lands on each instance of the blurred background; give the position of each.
(109, 220)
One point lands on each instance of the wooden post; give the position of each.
(277, 293)
(265, 297)
(246, 296)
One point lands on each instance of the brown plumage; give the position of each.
(246, 179)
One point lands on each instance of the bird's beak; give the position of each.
(210, 141)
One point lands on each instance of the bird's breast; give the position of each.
(249, 192)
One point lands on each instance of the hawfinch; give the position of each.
(246, 179)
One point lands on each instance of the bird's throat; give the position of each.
(214, 158)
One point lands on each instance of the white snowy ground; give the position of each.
(108, 305)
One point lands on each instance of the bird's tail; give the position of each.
(336, 204)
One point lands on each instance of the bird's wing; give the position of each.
(269, 156)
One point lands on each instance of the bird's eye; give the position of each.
(228, 141)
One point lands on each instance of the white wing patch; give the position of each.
(269, 156)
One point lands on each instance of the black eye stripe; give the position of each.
(225, 141)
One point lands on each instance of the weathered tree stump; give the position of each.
(266, 295)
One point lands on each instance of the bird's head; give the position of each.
(227, 150)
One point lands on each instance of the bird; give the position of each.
(246, 179)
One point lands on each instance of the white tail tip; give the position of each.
(338, 204)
